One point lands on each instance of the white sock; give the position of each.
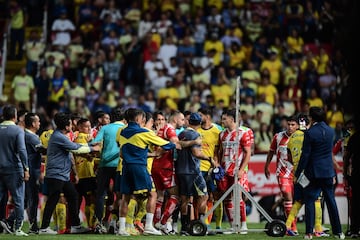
(149, 220)
(122, 221)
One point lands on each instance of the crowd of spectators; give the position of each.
(182, 55)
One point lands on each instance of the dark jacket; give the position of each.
(316, 157)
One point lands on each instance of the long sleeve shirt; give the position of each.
(59, 163)
(32, 141)
(12, 148)
(135, 140)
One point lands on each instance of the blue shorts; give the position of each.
(210, 183)
(192, 185)
(135, 179)
(44, 189)
(117, 185)
(298, 192)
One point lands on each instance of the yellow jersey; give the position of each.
(295, 146)
(84, 163)
(210, 141)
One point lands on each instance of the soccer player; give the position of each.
(228, 158)
(284, 168)
(209, 133)
(84, 165)
(134, 143)
(163, 173)
(294, 147)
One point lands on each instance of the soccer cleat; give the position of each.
(157, 225)
(354, 235)
(123, 233)
(6, 226)
(340, 236)
(132, 231)
(33, 229)
(184, 233)
(308, 236)
(174, 227)
(47, 231)
(20, 233)
(78, 229)
(151, 231)
(164, 229)
(243, 228)
(112, 227)
(291, 233)
(325, 229)
(100, 229)
(139, 226)
(321, 234)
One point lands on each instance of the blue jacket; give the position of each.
(32, 141)
(316, 157)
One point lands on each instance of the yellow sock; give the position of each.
(114, 217)
(91, 221)
(104, 211)
(131, 212)
(141, 211)
(293, 213)
(87, 214)
(42, 212)
(219, 215)
(318, 216)
(55, 218)
(61, 216)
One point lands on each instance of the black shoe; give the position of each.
(33, 229)
(184, 233)
(6, 226)
(354, 235)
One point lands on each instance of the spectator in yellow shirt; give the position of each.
(214, 43)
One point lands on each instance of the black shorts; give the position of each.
(86, 185)
(192, 185)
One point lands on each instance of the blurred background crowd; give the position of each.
(94, 55)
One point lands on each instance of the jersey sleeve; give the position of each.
(273, 144)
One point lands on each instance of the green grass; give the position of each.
(257, 235)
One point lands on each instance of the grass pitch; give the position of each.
(255, 233)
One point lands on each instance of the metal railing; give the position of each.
(3, 60)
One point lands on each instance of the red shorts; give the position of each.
(225, 183)
(286, 185)
(163, 179)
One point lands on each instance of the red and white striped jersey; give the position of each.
(165, 161)
(279, 146)
(229, 144)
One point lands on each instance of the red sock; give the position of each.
(229, 210)
(210, 204)
(287, 207)
(157, 215)
(242, 211)
(170, 206)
